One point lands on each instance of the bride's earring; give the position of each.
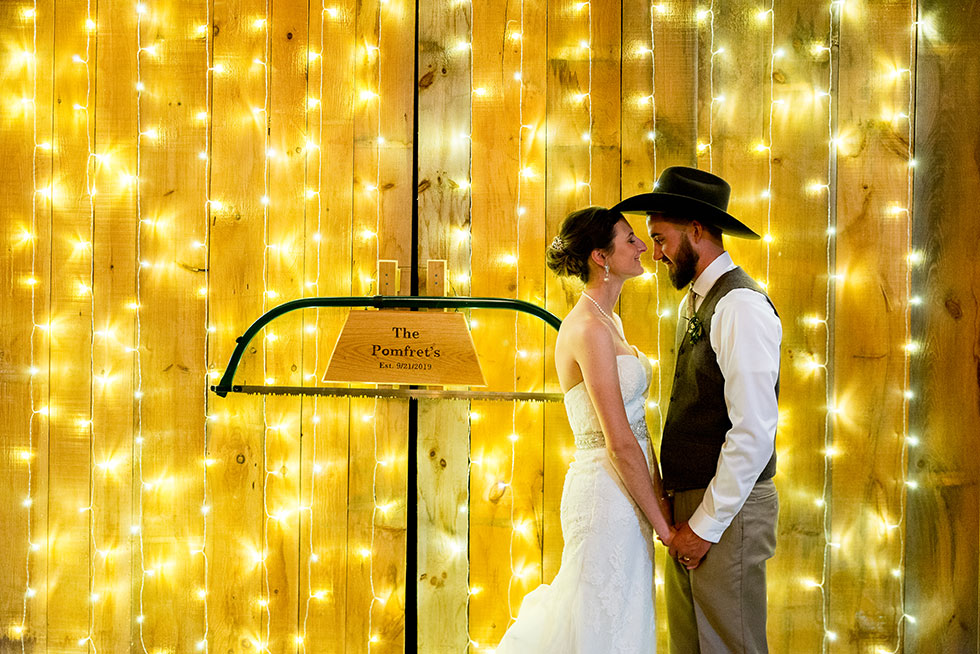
(606, 278)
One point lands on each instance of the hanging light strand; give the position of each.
(90, 191)
(375, 510)
(314, 286)
(33, 371)
(655, 276)
(515, 574)
(908, 395)
(711, 88)
(203, 644)
(265, 601)
(833, 36)
(138, 440)
(767, 195)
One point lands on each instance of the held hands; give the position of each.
(687, 547)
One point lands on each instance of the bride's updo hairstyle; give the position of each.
(580, 233)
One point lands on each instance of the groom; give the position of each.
(717, 453)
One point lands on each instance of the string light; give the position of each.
(138, 440)
(89, 251)
(913, 259)
(829, 310)
(767, 145)
(29, 238)
(703, 147)
(205, 155)
(378, 462)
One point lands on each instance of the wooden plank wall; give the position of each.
(944, 511)
(269, 156)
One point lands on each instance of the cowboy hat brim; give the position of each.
(687, 208)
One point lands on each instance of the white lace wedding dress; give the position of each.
(602, 598)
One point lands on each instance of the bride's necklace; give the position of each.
(592, 299)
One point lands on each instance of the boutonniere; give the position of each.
(695, 329)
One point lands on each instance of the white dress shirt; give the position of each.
(745, 336)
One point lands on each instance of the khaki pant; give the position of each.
(720, 606)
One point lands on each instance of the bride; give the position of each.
(602, 598)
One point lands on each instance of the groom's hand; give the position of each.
(687, 547)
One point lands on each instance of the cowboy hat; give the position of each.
(689, 194)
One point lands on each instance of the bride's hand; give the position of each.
(670, 537)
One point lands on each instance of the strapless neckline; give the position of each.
(618, 357)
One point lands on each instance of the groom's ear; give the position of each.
(697, 230)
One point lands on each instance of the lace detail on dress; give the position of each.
(601, 600)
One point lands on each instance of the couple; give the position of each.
(715, 506)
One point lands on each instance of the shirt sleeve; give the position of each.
(745, 336)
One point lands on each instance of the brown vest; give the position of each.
(697, 420)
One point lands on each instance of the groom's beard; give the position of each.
(685, 263)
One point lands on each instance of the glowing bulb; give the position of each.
(818, 48)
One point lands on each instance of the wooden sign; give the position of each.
(405, 347)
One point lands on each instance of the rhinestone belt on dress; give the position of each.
(594, 439)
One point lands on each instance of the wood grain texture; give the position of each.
(329, 239)
(797, 218)
(657, 132)
(869, 326)
(237, 438)
(334, 464)
(942, 534)
(21, 295)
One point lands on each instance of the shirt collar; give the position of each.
(710, 275)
